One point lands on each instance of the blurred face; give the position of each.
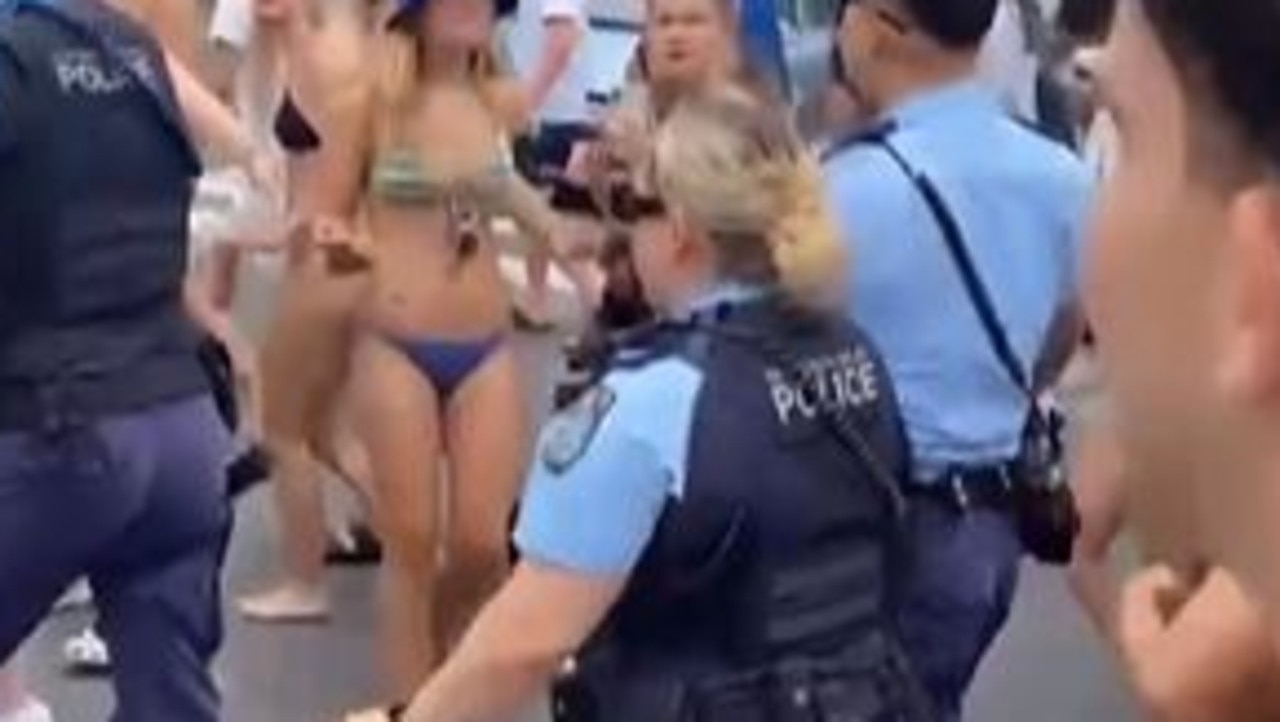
(462, 24)
(687, 41)
(868, 28)
(269, 11)
(1180, 280)
(655, 249)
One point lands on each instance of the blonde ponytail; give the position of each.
(737, 169)
(811, 260)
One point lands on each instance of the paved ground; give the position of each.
(1047, 668)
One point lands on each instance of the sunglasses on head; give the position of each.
(617, 201)
(628, 205)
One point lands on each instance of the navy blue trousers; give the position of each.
(138, 504)
(957, 596)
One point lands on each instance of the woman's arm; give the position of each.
(214, 125)
(517, 645)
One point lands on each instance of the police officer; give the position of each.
(944, 180)
(111, 453)
(695, 528)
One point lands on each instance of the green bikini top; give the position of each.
(400, 177)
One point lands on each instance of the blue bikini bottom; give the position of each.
(447, 364)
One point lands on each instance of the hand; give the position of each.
(584, 163)
(1197, 652)
(266, 172)
(347, 250)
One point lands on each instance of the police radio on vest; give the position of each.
(842, 381)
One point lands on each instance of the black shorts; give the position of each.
(543, 155)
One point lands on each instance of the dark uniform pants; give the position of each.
(958, 595)
(138, 503)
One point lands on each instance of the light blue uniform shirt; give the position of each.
(607, 466)
(1021, 202)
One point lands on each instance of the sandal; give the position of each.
(358, 546)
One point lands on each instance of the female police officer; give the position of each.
(695, 529)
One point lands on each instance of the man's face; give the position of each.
(867, 31)
(1167, 270)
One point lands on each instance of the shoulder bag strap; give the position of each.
(979, 297)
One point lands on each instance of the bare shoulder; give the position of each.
(510, 101)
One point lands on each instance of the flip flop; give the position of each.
(265, 608)
(360, 548)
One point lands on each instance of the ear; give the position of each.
(1251, 355)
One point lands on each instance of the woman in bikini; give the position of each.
(307, 347)
(435, 377)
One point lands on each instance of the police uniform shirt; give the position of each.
(607, 467)
(1021, 202)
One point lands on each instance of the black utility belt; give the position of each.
(863, 686)
(51, 405)
(994, 488)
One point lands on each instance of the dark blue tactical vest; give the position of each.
(765, 594)
(94, 200)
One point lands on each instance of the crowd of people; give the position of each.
(812, 435)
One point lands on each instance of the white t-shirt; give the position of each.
(1007, 65)
(232, 23)
(600, 62)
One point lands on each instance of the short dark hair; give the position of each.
(1086, 20)
(1227, 54)
(956, 24)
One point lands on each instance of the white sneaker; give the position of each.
(86, 653)
(33, 711)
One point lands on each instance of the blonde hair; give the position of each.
(734, 167)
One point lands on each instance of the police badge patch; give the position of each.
(569, 433)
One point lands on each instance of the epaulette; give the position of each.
(637, 347)
(874, 134)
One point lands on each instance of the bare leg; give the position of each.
(398, 415)
(488, 430)
(300, 367)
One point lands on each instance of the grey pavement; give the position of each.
(1048, 666)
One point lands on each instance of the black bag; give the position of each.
(1045, 507)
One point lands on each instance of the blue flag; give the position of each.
(763, 42)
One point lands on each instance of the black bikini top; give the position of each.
(294, 132)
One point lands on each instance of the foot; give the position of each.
(287, 604)
(32, 710)
(87, 654)
(355, 545)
